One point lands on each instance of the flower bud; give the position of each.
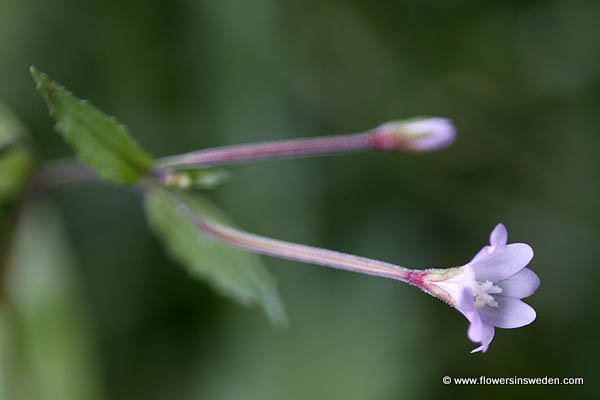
(199, 178)
(421, 134)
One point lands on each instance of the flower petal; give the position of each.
(487, 334)
(499, 236)
(479, 331)
(510, 313)
(498, 239)
(502, 263)
(454, 288)
(522, 284)
(475, 331)
(483, 253)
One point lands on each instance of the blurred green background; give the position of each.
(521, 81)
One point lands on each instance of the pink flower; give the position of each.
(488, 290)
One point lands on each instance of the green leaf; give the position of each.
(11, 129)
(8, 352)
(97, 138)
(51, 343)
(236, 274)
(16, 159)
(15, 166)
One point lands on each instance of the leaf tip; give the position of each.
(38, 77)
(46, 86)
(278, 318)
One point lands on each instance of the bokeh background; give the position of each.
(521, 81)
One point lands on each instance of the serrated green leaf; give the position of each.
(237, 274)
(53, 354)
(97, 138)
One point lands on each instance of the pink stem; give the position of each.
(299, 252)
(372, 140)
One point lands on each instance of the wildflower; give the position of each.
(488, 290)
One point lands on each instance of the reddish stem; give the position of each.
(276, 149)
(297, 252)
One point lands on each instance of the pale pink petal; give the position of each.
(502, 263)
(466, 300)
(483, 253)
(455, 286)
(475, 331)
(510, 313)
(499, 236)
(466, 305)
(430, 134)
(487, 334)
(522, 284)
(479, 331)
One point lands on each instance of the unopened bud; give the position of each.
(200, 178)
(422, 134)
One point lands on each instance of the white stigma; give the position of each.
(482, 294)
